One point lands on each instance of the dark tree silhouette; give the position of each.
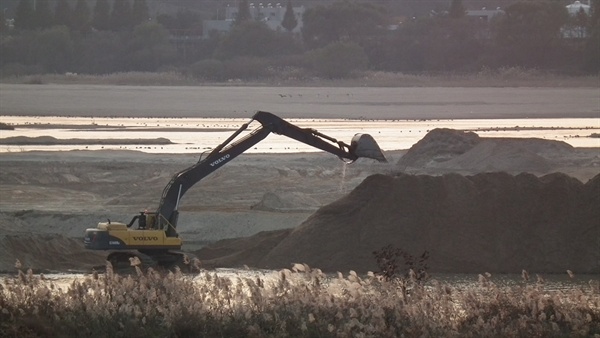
(342, 21)
(2, 22)
(592, 46)
(101, 15)
(81, 16)
(289, 19)
(243, 13)
(24, 15)
(456, 10)
(140, 11)
(63, 13)
(43, 15)
(529, 34)
(121, 15)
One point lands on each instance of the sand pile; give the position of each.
(46, 252)
(492, 222)
(49, 140)
(241, 251)
(454, 150)
(286, 201)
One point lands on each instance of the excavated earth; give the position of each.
(475, 204)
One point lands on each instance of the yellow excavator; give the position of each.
(155, 242)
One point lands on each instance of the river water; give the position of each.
(193, 135)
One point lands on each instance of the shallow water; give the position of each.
(193, 135)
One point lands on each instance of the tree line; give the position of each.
(337, 40)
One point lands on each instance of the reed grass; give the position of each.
(301, 302)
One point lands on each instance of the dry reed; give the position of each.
(301, 302)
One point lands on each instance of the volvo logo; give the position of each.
(214, 163)
(145, 238)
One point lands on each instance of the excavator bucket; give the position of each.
(363, 145)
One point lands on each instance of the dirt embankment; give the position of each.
(453, 151)
(475, 204)
(49, 140)
(504, 220)
(492, 222)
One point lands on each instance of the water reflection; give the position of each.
(193, 135)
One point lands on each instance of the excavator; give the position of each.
(155, 241)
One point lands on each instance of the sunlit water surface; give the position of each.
(192, 135)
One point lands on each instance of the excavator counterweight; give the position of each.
(156, 237)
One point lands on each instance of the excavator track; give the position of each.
(121, 261)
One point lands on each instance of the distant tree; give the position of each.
(456, 10)
(289, 19)
(243, 13)
(63, 14)
(183, 23)
(529, 34)
(53, 49)
(101, 15)
(592, 45)
(149, 48)
(2, 22)
(254, 39)
(43, 15)
(121, 15)
(81, 16)
(103, 52)
(342, 21)
(24, 15)
(339, 60)
(581, 18)
(140, 12)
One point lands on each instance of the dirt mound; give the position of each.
(49, 140)
(46, 252)
(497, 155)
(439, 145)
(491, 222)
(454, 150)
(286, 202)
(240, 251)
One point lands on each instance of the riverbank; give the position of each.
(506, 77)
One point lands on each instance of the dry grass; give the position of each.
(299, 303)
(505, 77)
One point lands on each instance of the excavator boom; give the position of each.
(362, 145)
(156, 233)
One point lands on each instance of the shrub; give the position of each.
(388, 260)
(18, 69)
(247, 68)
(213, 70)
(4, 126)
(338, 60)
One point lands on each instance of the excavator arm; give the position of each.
(362, 145)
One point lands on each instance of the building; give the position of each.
(484, 13)
(576, 7)
(577, 29)
(271, 15)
